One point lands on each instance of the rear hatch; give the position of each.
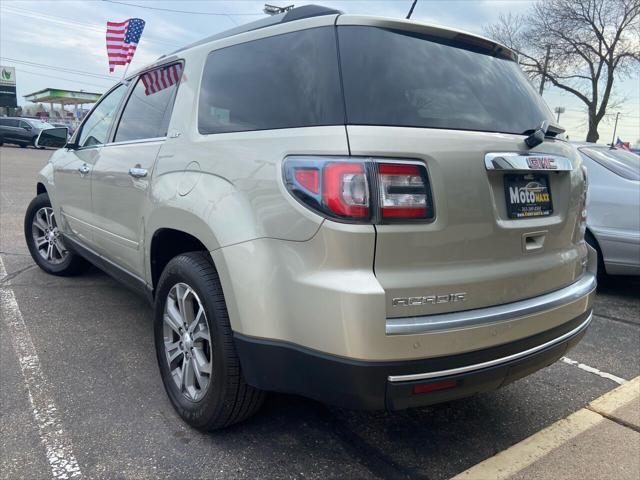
(504, 229)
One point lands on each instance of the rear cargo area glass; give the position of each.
(400, 78)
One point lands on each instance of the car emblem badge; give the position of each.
(542, 163)
(429, 299)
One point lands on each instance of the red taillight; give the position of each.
(345, 190)
(434, 387)
(403, 191)
(309, 178)
(341, 188)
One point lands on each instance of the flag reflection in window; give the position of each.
(161, 78)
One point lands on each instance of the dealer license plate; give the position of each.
(528, 195)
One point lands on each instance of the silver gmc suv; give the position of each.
(370, 212)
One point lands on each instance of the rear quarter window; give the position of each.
(285, 81)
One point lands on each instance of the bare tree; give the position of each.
(591, 43)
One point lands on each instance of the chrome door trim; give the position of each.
(138, 172)
(499, 313)
(534, 162)
(495, 362)
(134, 142)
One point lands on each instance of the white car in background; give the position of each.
(613, 207)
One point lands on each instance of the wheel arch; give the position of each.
(167, 243)
(45, 184)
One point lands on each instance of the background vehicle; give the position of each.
(613, 206)
(375, 229)
(21, 131)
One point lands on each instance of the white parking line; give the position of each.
(57, 444)
(595, 371)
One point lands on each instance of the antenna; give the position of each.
(413, 5)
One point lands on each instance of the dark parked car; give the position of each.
(21, 131)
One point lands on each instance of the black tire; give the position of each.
(1, 141)
(23, 145)
(591, 240)
(228, 399)
(71, 264)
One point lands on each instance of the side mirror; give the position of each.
(53, 137)
(27, 127)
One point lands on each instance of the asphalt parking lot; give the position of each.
(94, 342)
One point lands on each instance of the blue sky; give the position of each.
(70, 35)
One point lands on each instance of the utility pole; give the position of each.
(413, 5)
(559, 110)
(544, 69)
(613, 139)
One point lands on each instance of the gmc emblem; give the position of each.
(541, 163)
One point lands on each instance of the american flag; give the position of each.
(623, 145)
(161, 78)
(122, 40)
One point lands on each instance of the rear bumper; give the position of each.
(499, 313)
(279, 366)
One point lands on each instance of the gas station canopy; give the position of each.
(62, 97)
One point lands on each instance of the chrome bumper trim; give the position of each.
(492, 363)
(498, 313)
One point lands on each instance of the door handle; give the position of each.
(138, 172)
(84, 169)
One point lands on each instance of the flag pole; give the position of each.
(124, 74)
(613, 139)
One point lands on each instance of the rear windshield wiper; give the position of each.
(536, 136)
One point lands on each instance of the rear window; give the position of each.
(403, 79)
(621, 162)
(285, 81)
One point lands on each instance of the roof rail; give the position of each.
(306, 11)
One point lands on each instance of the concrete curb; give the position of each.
(521, 455)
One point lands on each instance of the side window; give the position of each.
(24, 124)
(148, 110)
(96, 128)
(4, 122)
(285, 81)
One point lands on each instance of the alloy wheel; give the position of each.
(46, 237)
(187, 341)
